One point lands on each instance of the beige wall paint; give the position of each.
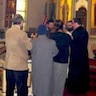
(2, 13)
(35, 13)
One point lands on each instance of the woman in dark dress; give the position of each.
(78, 77)
(61, 59)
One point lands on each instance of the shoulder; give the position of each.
(51, 40)
(8, 30)
(22, 33)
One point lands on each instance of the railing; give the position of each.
(92, 64)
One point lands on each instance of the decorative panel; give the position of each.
(95, 14)
(10, 12)
(65, 10)
(93, 19)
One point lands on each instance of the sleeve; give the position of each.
(27, 41)
(55, 49)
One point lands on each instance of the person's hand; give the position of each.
(33, 35)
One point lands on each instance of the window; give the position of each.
(21, 9)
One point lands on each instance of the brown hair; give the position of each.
(58, 24)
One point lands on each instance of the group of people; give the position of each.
(59, 58)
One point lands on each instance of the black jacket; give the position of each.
(63, 43)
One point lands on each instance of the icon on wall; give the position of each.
(10, 10)
(95, 14)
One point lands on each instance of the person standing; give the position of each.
(50, 27)
(43, 51)
(61, 59)
(17, 44)
(78, 82)
(69, 26)
(65, 30)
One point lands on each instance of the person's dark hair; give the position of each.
(70, 21)
(78, 20)
(49, 21)
(58, 24)
(17, 19)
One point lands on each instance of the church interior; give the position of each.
(35, 13)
